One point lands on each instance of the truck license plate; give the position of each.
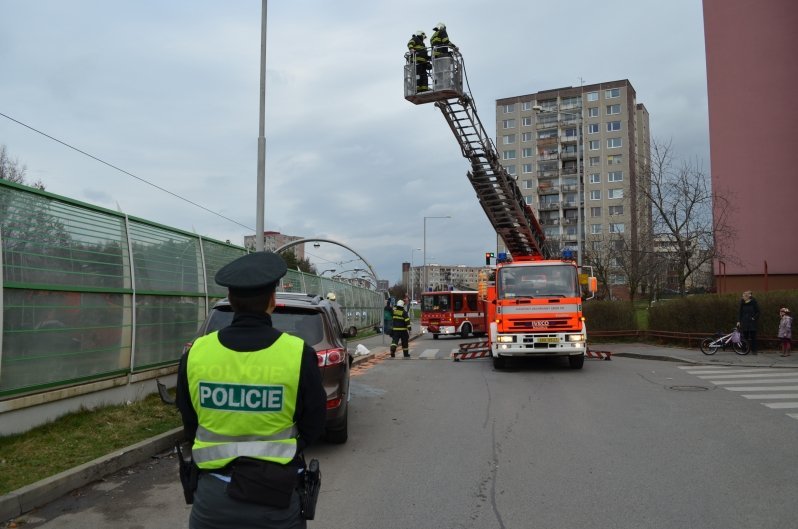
(548, 339)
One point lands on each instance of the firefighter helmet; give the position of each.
(331, 296)
(400, 303)
(440, 26)
(420, 33)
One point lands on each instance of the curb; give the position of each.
(35, 495)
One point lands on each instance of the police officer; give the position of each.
(251, 399)
(401, 329)
(418, 48)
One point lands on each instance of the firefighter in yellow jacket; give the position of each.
(251, 399)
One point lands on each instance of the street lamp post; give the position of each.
(425, 247)
(580, 156)
(410, 276)
(323, 271)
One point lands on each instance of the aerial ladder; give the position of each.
(497, 191)
(534, 300)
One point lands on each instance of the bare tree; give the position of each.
(682, 202)
(13, 171)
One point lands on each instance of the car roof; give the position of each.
(287, 299)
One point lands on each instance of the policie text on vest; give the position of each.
(241, 397)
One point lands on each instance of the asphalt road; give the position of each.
(623, 444)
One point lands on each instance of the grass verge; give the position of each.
(78, 438)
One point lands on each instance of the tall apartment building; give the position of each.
(593, 138)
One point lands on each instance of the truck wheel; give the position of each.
(576, 361)
(434, 336)
(465, 331)
(498, 362)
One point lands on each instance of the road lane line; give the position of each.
(763, 388)
(781, 405)
(758, 381)
(765, 396)
(749, 375)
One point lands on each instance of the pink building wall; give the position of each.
(752, 83)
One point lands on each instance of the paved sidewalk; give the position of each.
(27, 498)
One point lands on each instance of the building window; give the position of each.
(570, 133)
(527, 153)
(510, 169)
(526, 105)
(597, 245)
(595, 160)
(614, 143)
(613, 126)
(526, 136)
(509, 108)
(616, 210)
(616, 227)
(595, 211)
(594, 145)
(508, 139)
(526, 121)
(592, 112)
(508, 124)
(612, 93)
(595, 194)
(615, 176)
(613, 109)
(508, 155)
(595, 229)
(595, 178)
(593, 128)
(592, 96)
(527, 168)
(528, 200)
(614, 159)
(529, 184)
(615, 193)
(617, 279)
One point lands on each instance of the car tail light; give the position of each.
(187, 346)
(333, 403)
(330, 357)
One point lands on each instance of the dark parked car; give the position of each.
(312, 319)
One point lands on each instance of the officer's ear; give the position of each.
(272, 302)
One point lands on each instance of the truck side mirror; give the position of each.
(592, 284)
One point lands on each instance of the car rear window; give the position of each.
(308, 325)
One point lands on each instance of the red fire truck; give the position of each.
(453, 313)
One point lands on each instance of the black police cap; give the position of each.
(252, 274)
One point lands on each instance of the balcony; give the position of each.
(547, 156)
(568, 155)
(550, 222)
(548, 190)
(569, 187)
(548, 206)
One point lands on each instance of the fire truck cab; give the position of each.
(453, 313)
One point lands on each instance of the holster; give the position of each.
(189, 471)
(309, 487)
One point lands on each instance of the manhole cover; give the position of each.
(688, 388)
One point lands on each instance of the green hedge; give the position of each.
(609, 316)
(704, 313)
(711, 313)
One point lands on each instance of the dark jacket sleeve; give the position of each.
(183, 401)
(311, 409)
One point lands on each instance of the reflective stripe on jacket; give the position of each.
(245, 401)
(416, 45)
(401, 321)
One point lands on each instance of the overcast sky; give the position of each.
(169, 91)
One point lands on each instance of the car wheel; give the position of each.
(465, 331)
(576, 361)
(339, 435)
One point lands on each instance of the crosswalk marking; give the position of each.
(763, 388)
(758, 381)
(772, 396)
(748, 375)
(429, 354)
(761, 384)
